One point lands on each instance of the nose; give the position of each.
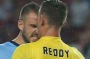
(36, 30)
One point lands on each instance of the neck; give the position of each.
(19, 39)
(53, 31)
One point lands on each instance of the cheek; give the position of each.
(27, 32)
(27, 29)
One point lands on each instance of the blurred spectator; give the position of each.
(86, 37)
(5, 6)
(80, 12)
(6, 14)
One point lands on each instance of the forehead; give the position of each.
(31, 17)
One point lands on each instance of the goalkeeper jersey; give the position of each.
(47, 47)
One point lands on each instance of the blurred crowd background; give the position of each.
(76, 31)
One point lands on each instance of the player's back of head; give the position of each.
(55, 11)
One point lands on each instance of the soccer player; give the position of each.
(27, 24)
(52, 16)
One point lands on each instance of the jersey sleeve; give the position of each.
(20, 53)
(76, 54)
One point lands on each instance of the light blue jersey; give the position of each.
(7, 49)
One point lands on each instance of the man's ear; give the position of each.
(43, 20)
(20, 24)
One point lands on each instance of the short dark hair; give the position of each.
(55, 11)
(26, 9)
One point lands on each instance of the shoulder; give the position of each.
(27, 45)
(7, 44)
(3, 45)
(23, 46)
(22, 49)
(4, 48)
(76, 54)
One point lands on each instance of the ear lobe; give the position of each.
(20, 24)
